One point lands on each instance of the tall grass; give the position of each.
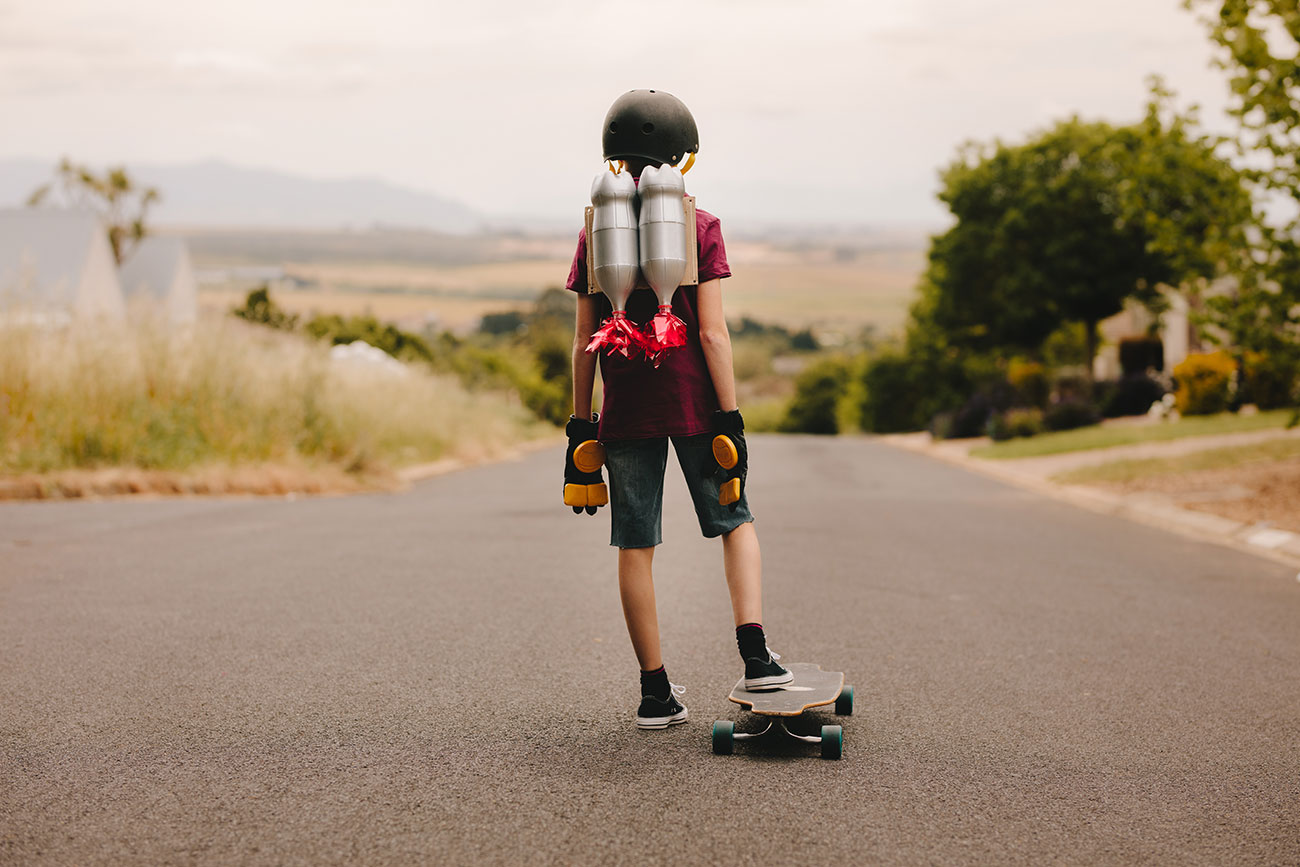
(228, 393)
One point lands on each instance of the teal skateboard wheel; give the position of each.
(724, 737)
(844, 704)
(832, 742)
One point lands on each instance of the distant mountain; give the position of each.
(214, 193)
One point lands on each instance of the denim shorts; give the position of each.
(636, 489)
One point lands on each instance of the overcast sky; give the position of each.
(818, 110)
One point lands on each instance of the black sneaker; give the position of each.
(766, 673)
(658, 713)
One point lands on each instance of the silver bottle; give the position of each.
(663, 230)
(613, 247)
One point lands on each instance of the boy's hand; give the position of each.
(584, 487)
(732, 456)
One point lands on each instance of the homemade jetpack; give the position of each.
(640, 238)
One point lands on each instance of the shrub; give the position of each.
(1140, 354)
(970, 420)
(818, 390)
(890, 403)
(905, 392)
(1016, 423)
(400, 344)
(1070, 414)
(506, 322)
(1129, 395)
(1268, 381)
(1029, 379)
(260, 309)
(1204, 383)
(804, 341)
(1072, 387)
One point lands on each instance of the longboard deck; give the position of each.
(810, 688)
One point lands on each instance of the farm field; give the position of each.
(834, 293)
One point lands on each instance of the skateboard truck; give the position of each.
(810, 688)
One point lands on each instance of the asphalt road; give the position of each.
(443, 676)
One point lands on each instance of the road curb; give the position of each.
(1271, 543)
(419, 472)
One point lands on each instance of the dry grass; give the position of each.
(227, 401)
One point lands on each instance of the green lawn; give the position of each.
(1105, 436)
(1209, 459)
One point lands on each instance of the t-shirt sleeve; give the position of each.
(577, 281)
(713, 252)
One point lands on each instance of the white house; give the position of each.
(158, 275)
(1173, 328)
(56, 265)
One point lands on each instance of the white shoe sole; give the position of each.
(662, 722)
(769, 682)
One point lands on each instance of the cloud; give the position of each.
(224, 63)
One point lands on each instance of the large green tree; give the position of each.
(1066, 226)
(1259, 43)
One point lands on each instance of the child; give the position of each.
(689, 398)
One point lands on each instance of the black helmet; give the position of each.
(649, 124)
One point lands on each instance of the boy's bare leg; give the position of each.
(637, 590)
(743, 565)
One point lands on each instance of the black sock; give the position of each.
(751, 641)
(655, 683)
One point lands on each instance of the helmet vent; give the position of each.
(647, 128)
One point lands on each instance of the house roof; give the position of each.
(153, 266)
(45, 252)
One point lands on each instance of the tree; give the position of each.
(1260, 43)
(1067, 226)
(119, 201)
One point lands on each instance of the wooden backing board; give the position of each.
(692, 276)
(811, 687)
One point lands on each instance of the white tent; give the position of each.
(158, 275)
(56, 265)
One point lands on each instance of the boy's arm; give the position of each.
(716, 341)
(584, 363)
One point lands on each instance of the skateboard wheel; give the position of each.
(724, 737)
(832, 742)
(844, 704)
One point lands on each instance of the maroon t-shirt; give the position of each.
(677, 398)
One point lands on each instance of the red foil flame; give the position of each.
(618, 334)
(664, 332)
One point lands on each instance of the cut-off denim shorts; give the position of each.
(636, 489)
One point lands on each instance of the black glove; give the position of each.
(584, 487)
(731, 455)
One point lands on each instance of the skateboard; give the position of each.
(810, 688)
